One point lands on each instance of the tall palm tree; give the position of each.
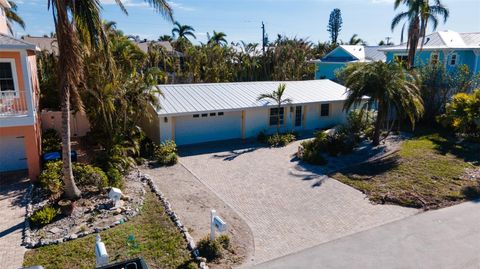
(78, 25)
(389, 87)
(277, 97)
(217, 38)
(418, 15)
(13, 17)
(183, 31)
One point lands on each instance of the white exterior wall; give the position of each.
(257, 120)
(166, 128)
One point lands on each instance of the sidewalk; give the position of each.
(12, 214)
(445, 238)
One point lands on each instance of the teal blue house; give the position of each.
(342, 55)
(450, 48)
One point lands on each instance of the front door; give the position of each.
(298, 116)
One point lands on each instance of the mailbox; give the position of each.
(219, 224)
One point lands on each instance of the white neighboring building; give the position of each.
(197, 113)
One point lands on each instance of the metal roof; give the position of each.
(8, 42)
(444, 40)
(372, 53)
(194, 98)
(43, 43)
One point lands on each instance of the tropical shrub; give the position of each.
(224, 241)
(463, 114)
(44, 216)
(211, 250)
(166, 153)
(87, 175)
(84, 174)
(51, 177)
(280, 140)
(115, 178)
(51, 141)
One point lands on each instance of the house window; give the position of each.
(204, 115)
(165, 119)
(220, 113)
(275, 115)
(6, 77)
(213, 114)
(196, 115)
(324, 110)
(453, 59)
(434, 58)
(298, 116)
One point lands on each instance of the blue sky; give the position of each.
(241, 19)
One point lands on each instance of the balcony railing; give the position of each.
(13, 103)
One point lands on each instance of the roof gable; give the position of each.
(8, 42)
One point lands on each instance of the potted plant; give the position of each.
(67, 206)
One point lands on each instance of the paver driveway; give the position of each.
(288, 206)
(12, 216)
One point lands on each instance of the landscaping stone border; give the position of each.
(192, 246)
(29, 242)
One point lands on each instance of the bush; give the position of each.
(211, 250)
(311, 154)
(44, 216)
(224, 241)
(51, 141)
(463, 114)
(359, 123)
(51, 177)
(166, 153)
(87, 175)
(115, 178)
(277, 140)
(84, 174)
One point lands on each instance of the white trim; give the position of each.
(449, 59)
(14, 73)
(27, 82)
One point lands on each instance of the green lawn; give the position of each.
(426, 173)
(157, 240)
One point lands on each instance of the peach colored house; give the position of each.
(20, 135)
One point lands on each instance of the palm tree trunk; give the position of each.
(378, 125)
(414, 34)
(66, 70)
(71, 190)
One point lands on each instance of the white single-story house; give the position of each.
(197, 113)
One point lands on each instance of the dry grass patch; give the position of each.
(428, 172)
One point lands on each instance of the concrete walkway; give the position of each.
(445, 238)
(12, 216)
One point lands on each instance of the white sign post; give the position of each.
(216, 223)
(100, 252)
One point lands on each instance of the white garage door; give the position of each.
(203, 127)
(12, 153)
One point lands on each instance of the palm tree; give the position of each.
(78, 25)
(389, 87)
(168, 38)
(418, 15)
(218, 38)
(13, 17)
(276, 97)
(355, 40)
(183, 31)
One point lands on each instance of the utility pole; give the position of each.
(264, 38)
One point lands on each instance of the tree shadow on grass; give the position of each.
(472, 193)
(372, 168)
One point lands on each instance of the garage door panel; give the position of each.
(12, 154)
(190, 130)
